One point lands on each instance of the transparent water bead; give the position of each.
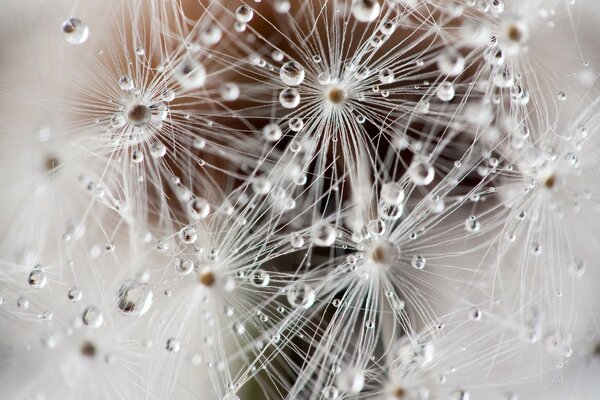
(301, 295)
(392, 193)
(210, 35)
(272, 132)
(184, 266)
(330, 393)
(421, 172)
(296, 124)
(386, 76)
(261, 278)
(418, 262)
(158, 149)
(475, 314)
(244, 14)
(365, 10)
(188, 235)
(450, 62)
(126, 83)
(173, 345)
(351, 381)
(37, 278)
(229, 91)
(446, 91)
(75, 31)
(323, 234)
(199, 208)
(289, 98)
(74, 294)
(134, 298)
(291, 73)
(296, 241)
(190, 74)
(92, 317)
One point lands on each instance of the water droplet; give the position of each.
(134, 298)
(450, 62)
(184, 266)
(126, 83)
(301, 295)
(330, 393)
(392, 193)
(296, 241)
(475, 314)
(272, 132)
(75, 31)
(261, 278)
(74, 294)
(289, 98)
(37, 278)
(244, 13)
(291, 73)
(188, 235)
(366, 10)
(296, 124)
(418, 262)
(421, 173)
(137, 156)
(386, 76)
(323, 234)
(190, 74)
(445, 91)
(229, 91)
(351, 381)
(158, 149)
(198, 208)
(238, 328)
(92, 317)
(173, 345)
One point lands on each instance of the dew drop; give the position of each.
(392, 193)
(289, 98)
(291, 73)
(134, 298)
(37, 278)
(173, 345)
(445, 91)
(301, 295)
(365, 10)
(92, 317)
(190, 74)
(323, 234)
(74, 294)
(244, 14)
(75, 31)
(421, 173)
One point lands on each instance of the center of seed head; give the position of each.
(515, 34)
(51, 163)
(88, 349)
(207, 278)
(550, 182)
(138, 115)
(383, 253)
(399, 392)
(336, 94)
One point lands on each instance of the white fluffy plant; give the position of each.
(325, 199)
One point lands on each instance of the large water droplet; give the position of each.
(75, 31)
(134, 298)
